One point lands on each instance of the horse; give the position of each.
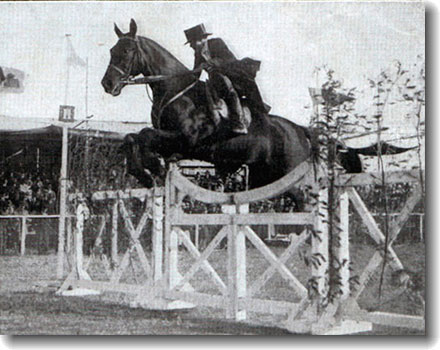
(273, 146)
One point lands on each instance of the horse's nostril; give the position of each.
(106, 83)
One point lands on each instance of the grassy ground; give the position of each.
(29, 307)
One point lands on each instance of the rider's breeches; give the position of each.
(224, 89)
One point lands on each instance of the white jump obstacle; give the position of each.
(167, 287)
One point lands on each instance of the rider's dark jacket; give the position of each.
(242, 72)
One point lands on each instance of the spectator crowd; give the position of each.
(26, 193)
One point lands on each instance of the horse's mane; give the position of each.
(166, 62)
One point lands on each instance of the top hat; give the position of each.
(196, 33)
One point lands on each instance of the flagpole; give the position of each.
(63, 181)
(86, 155)
(315, 104)
(66, 93)
(87, 89)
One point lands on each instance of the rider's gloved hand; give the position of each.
(210, 66)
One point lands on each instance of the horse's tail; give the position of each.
(382, 147)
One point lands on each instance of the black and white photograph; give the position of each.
(212, 168)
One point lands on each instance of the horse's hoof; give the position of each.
(146, 180)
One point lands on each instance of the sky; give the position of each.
(291, 39)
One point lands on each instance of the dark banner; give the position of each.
(11, 80)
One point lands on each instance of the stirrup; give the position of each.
(240, 130)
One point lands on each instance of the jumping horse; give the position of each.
(181, 127)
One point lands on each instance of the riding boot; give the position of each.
(214, 104)
(236, 112)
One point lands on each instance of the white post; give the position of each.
(157, 240)
(342, 250)
(319, 248)
(114, 233)
(174, 277)
(270, 231)
(79, 240)
(63, 199)
(23, 236)
(237, 287)
(197, 236)
(82, 213)
(69, 234)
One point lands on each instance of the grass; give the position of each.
(28, 306)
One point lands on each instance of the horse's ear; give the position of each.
(118, 32)
(133, 28)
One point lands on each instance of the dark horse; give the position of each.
(272, 148)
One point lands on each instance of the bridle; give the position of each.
(129, 79)
(127, 73)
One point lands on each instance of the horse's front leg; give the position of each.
(150, 151)
(135, 166)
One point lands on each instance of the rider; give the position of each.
(232, 80)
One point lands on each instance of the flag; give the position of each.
(72, 57)
(329, 96)
(316, 95)
(11, 80)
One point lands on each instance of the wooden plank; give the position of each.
(206, 266)
(134, 244)
(114, 233)
(275, 262)
(81, 212)
(270, 231)
(244, 219)
(342, 250)
(117, 273)
(98, 242)
(167, 227)
(69, 236)
(135, 234)
(367, 274)
(264, 306)
(273, 307)
(181, 219)
(406, 211)
(197, 236)
(291, 249)
(232, 302)
(108, 286)
(31, 216)
(23, 236)
(373, 228)
(319, 250)
(274, 218)
(173, 267)
(375, 178)
(201, 299)
(236, 269)
(272, 190)
(157, 239)
(394, 320)
(206, 253)
(139, 193)
(240, 273)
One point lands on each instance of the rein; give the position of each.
(155, 78)
(130, 80)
